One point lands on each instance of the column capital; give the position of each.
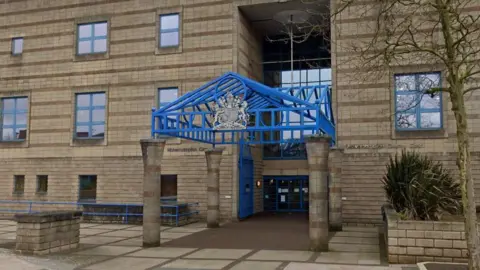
(214, 151)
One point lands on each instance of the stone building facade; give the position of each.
(214, 37)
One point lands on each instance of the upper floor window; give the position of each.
(17, 46)
(14, 118)
(415, 109)
(18, 184)
(90, 115)
(92, 38)
(87, 190)
(42, 183)
(167, 95)
(169, 30)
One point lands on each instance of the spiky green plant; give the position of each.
(419, 188)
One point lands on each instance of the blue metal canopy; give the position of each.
(277, 115)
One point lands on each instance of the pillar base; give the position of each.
(150, 245)
(318, 247)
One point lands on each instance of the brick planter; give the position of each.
(413, 241)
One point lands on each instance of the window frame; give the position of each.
(13, 51)
(15, 179)
(168, 30)
(159, 102)
(418, 110)
(90, 108)
(37, 190)
(14, 113)
(92, 38)
(88, 177)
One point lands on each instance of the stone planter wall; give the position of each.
(47, 232)
(421, 241)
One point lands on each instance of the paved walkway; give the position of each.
(118, 247)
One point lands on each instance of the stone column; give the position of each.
(214, 157)
(334, 189)
(317, 153)
(152, 153)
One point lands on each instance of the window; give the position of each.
(14, 119)
(92, 38)
(167, 95)
(42, 183)
(18, 184)
(306, 77)
(168, 186)
(414, 109)
(17, 46)
(90, 115)
(169, 30)
(87, 188)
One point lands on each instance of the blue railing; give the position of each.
(31, 207)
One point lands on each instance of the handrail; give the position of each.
(124, 214)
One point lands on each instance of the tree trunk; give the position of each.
(465, 175)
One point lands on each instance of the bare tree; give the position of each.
(444, 34)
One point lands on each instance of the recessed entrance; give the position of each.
(285, 193)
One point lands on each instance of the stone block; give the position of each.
(433, 252)
(397, 233)
(458, 226)
(406, 225)
(392, 258)
(415, 251)
(464, 253)
(424, 226)
(392, 241)
(442, 226)
(451, 235)
(55, 249)
(55, 244)
(459, 244)
(452, 253)
(424, 259)
(434, 234)
(397, 250)
(424, 242)
(443, 243)
(442, 259)
(402, 259)
(406, 242)
(415, 234)
(41, 252)
(460, 260)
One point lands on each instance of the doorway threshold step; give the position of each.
(344, 247)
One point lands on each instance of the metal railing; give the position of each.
(34, 207)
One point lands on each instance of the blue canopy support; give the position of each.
(277, 115)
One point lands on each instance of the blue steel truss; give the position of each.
(270, 109)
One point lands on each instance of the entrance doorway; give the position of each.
(285, 193)
(246, 188)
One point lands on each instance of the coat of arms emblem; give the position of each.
(230, 113)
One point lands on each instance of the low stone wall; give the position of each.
(47, 232)
(423, 241)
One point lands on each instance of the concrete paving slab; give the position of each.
(113, 226)
(135, 228)
(100, 240)
(197, 264)
(337, 257)
(134, 242)
(246, 265)
(196, 225)
(314, 266)
(88, 231)
(88, 225)
(127, 263)
(186, 230)
(13, 263)
(107, 251)
(122, 233)
(170, 235)
(161, 252)
(281, 255)
(211, 253)
(369, 258)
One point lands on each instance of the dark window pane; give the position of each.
(19, 183)
(87, 187)
(168, 185)
(42, 183)
(21, 133)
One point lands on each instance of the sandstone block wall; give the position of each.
(421, 241)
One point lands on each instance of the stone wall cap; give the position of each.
(152, 141)
(317, 138)
(217, 150)
(48, 216)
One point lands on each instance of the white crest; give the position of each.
(230, 113)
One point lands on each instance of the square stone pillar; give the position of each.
(152, 153)
(317, 154)
(334, 189)
(214, 157)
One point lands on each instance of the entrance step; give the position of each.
(355, 239)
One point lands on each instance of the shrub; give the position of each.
(419, 188)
